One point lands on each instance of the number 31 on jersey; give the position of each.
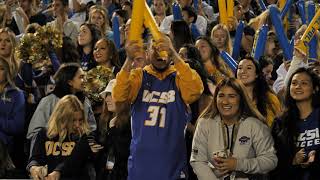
(155, 113)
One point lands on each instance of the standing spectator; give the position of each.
(32, 14)
(205, 10)
(159, 8)
(55, 143)
(79, 9)
(7, 49)
(315, 67)
(247, 10)
(16, 18)
(221, 38)
(250, 74)
(12, 107)
(266, 65)
(69, 51)
(62, 22)
(159, 94)
(246, 42)
(99, 17)
(106, 54)
(117, 138)
(215, 66)
(88, 36)
(296, 132)
(231, 125)
(201, 22)
(180, 34)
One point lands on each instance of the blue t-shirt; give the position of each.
(159, 116)
(309, 136)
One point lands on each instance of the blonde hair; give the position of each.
(228, 43)
(3, 12)
(14, 64)
(63, 114)
(101, 10)
(257, 22)
(7, 71)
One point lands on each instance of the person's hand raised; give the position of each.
(133, 49)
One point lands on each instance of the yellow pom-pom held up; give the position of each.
(223, 11)
(309, 33)
(150, 22)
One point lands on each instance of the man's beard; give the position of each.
(160, 69)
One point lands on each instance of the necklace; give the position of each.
(226, 138)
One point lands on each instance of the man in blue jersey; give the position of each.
(159, 94)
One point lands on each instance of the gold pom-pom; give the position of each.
(50, 35)
(33, 48)
(97, 80)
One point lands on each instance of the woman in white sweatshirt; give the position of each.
(233, 128)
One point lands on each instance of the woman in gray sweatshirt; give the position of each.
(231, 140)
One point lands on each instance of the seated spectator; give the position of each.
(69, 79)
(55, 143)
(6, 165)
(114, 133)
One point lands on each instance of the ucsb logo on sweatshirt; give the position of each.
(57, 149)
(308, 138)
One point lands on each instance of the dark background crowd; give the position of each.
(64, 109)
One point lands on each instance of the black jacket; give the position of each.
(117, 144)
(286, 151)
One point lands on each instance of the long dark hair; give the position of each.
(291, 115)
(66, 73)
(194, 61)
(113, 52)
(69, 51)
(95, 34)
(181, 34)
(260, 89)
(246, 107)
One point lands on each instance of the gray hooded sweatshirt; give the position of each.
(253, 148)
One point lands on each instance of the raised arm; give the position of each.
(128, 80)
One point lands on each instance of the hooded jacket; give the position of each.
(12, 114)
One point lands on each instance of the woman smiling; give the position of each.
(231, 139)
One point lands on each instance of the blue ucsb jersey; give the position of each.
(159, 116)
